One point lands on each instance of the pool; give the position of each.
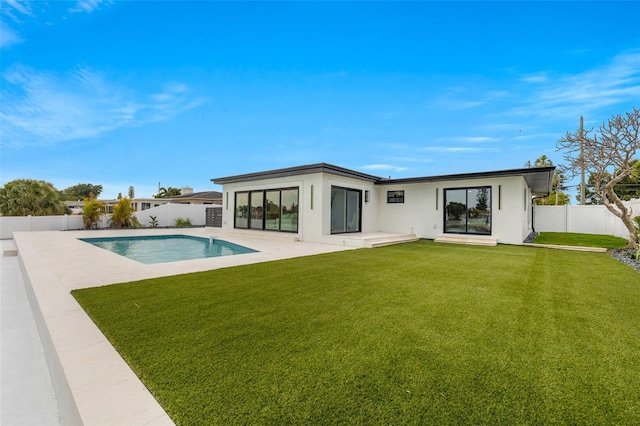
(167, 248)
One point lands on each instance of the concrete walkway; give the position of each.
(27, 393)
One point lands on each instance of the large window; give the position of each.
(256, 208)
(242, 210)
(468, 210)
(274, 209)
(346, 205)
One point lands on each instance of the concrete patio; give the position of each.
(92, 383)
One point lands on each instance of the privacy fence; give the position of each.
(582, 219)
(165, 215)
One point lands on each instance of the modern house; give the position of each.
(329, 204)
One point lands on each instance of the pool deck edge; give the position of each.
(92, 383)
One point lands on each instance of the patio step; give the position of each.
(466, 239)
(389, 239)
(10, 252)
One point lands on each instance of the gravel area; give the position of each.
(627, 257)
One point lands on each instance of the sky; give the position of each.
(175, 93)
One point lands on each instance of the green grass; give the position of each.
(417, 333)
(583, 240)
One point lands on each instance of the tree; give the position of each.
(628, 188)
(132, 192)
(23, 197)
(91, 212)
(122, 216)
(167, 192)
(543, 161)
(481, 200)
(607, 154)
(81, 191)
(456, 210)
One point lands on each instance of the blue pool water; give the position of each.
(167, 248)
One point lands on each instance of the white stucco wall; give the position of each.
(421, 214)
(314, 212)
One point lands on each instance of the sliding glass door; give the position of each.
(273, 209)
(468, 210)
(346, 206)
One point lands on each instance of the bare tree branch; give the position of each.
(607, 154)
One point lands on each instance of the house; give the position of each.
(329, 204)
(187, 196)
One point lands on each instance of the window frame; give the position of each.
(395, 196)
(263, 221)
(488, 215)
(346, 206)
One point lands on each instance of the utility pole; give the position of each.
(582, 185)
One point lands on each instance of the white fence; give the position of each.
(166, 216)
(582, 219)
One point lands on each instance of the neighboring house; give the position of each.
(140, 204)
(330, 204)
(187, 196)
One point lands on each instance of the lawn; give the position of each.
(584, 240)
(417, 333)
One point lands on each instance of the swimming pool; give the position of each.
(167, 248)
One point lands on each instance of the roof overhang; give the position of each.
(539, 179)
(297, 171)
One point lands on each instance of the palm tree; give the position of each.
(122, 216)
(92, 211)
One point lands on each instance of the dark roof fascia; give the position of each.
(531, 175)
(199, 195)
(297, 171)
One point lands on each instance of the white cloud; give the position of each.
(586, 92)
(16, 9)
(445, 149)
(88, 6)
(45, 108)
(16, 16)
(462, 97)
(383, 167)
(473, 139)
(536, 78)
(8, 36)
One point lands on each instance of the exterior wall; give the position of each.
(369, 209)
(422, 213)
(314, 208)
(417, 215)
(306, 216)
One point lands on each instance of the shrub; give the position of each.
(183, 222)
(123, 215)
(91, 212)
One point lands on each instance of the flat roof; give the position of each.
(539, 179)
(297, 171)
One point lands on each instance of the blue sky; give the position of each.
(123, 93)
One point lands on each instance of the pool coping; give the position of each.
(93, 384)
